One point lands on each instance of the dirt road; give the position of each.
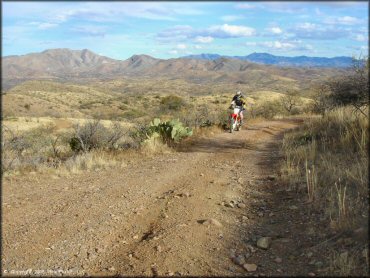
(199, 211)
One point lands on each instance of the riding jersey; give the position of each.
(239, 100)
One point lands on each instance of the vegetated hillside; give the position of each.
(84, 65)
(298, 61)
(125, 99)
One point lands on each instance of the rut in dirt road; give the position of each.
(199, 211)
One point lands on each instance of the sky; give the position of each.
(174, 29)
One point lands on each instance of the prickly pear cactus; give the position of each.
(170, 131)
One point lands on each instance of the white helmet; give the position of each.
(239, 93)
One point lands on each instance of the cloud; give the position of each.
(229, 18)
(275, 30)
(47, 25)
(90, 30)
(181, 46)
(284, 7)
(231, 31)
(278, 45)
(344, 20)
(42, 25)
(201, 39)
(245, 6)
(250, 43)
(361, 38)
(225, 31)
(58, 12)
(309, 30)
(118, 11)
(343, 4)
(295, 45)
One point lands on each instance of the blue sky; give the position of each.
(173, 29)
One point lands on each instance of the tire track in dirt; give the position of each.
(144, 219)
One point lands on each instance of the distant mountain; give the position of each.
(204, 56)
(84, 65)
(298, 61)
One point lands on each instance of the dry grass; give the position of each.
(123, 99)
(21, 124)
(92, 161)
(346, 263)
(328, 157)
(154, 146)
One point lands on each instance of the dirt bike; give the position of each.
(235, 120)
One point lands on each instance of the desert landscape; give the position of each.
(127, 167)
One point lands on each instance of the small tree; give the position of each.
(290, 101)
(351, 89)
(321, 101)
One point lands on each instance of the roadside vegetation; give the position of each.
(327, 159)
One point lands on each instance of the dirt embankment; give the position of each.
(200, 211)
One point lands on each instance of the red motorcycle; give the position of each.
(235, 120)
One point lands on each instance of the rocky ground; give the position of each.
(216, 207)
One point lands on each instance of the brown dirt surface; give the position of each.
(199, 211)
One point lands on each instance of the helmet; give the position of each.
(239, 93)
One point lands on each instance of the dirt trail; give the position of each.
(148, 219)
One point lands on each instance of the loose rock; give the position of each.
(158, 248)
(239, 260)
(278, 260)
(212, 222)
(241, 205)
(250, 267)
(264, 242)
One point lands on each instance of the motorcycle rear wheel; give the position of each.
(231, 125)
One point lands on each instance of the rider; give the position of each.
(239, 101)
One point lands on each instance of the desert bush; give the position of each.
(27, 150)
(94, 135)
(133, 114)
(204, 116)
(267, 110)
(172, 102)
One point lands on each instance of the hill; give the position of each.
(85, 66)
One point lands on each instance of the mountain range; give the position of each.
(79, 65)
(298, 61)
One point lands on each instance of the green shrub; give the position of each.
(170, 132)
(267, 110)
(133, 113)
(172, 102)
